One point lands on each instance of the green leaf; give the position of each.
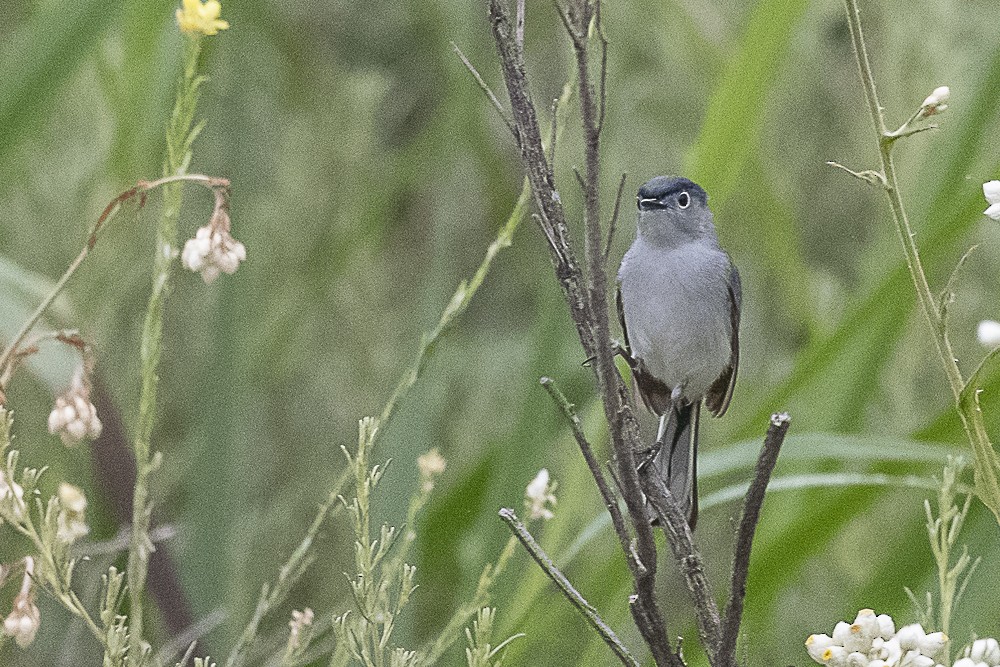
(23, 291)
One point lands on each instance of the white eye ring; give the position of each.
(684, 199)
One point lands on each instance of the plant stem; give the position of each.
(179, 139)
(8, 353)
(545, 562)
(987, 479)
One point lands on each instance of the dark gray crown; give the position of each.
(662, 188)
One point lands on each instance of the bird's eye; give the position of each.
(684, 199)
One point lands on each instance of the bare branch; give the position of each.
(486, 90)
(614, 218)
(588, 304)
(726, 656)
(610, 500)
(545, 562)
(689, 562)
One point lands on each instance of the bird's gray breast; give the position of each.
(677, 313)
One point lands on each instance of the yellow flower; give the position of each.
(203, 18)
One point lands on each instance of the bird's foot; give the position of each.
(646, 456)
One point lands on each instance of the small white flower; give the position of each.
(301, 621)
(991, 191)
(862, 631)
(910, 636)
(988, 333)
(16, 499)
(841, 632)
(984, 650)
(23, 620)
(816, 645)
(915, 659)
(431, 464)
(857, 659)
(834, 656)
(969, 662)
(71, 522)
(891, 651)
(213, 250)
(886, 628)
(539, 496)
(932, 643)
(74, 417)
(936, 102)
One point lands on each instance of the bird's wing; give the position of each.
(621, 318)
(721, 392)
(655, 395)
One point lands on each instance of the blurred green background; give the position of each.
(370, 174)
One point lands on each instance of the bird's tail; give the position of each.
(677, 460)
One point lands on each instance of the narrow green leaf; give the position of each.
(735, 113)
(43, 53)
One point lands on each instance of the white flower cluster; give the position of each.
(74, 417)
(982, 653)
(872, 641)
(213, 251)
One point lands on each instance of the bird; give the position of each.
(679, 301)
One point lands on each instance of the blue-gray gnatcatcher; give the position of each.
(679, 299)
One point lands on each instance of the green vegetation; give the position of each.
(369, 177)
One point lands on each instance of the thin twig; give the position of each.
(121, 542)
(553, 131)
(614, 218)
(486, 89)
(602, 91)
(610, 500)
(190, 635)
(607, 634)
(726, 656)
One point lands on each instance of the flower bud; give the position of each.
(932, 643)
(71, 522)
(886, 628)
(910, 636)
(539, 497)
(991, 190)
(984, 650)
(936, 102)
(816, 645)
(862, 631)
